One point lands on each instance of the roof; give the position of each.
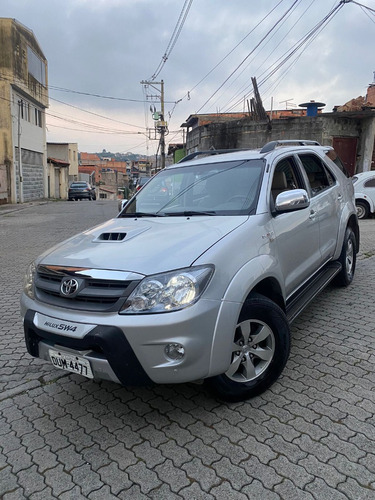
(89, 157)
(58, 162)
(204, 119)
(270, 148)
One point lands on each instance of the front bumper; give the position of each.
(105, 347)
(131, 349)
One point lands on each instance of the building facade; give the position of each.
(68, 153)
(23, 100)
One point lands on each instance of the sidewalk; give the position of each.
(15, 207)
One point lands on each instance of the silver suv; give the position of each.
(200, 275)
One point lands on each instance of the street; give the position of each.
(311, 436)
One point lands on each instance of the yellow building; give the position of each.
(23, 100)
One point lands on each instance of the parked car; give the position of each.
(141, 182)
(81, 190)
(364, 192)
(203, 282)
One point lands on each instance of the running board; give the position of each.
(298, 301)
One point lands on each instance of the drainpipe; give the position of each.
(20, 103)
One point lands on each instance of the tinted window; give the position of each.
(318, 176)
(370, 183)
(286, 177)
(332, 155)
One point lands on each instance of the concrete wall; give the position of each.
(67, 152)
(246, 134)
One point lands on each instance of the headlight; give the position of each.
(168, 291)
(28, 282)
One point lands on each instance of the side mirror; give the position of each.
(288, 201)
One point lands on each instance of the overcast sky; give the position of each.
(107, 47)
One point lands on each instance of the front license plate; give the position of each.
(71, 363)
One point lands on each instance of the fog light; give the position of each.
(175, 351)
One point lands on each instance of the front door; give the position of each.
(296, 232)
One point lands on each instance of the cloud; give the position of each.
(108, 47)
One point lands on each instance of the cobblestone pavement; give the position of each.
(311, 436)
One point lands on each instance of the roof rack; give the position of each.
(209, 153)
(270, 146)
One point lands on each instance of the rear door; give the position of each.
(326, 198)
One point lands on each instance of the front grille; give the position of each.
(94, 294)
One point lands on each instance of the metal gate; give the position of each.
(346, 148)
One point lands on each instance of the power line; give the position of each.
(175, 35)
(308, 37)
(71, 91)
(187, 95)
(242, 62)
(240, 93)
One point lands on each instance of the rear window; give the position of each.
(333, 156)
(78, 184)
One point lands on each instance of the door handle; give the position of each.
(312, 215)
(339, 197)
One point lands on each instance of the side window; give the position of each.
(285, 177)
(370, 183)
(319, 177)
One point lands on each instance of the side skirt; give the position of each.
(300, 299)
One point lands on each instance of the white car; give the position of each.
(364, 192)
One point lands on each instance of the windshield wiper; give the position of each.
(141, 214)
(189, 213)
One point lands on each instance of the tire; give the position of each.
(348, 258)
(260, 350)
(362, 209)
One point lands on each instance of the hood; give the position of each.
(143, 245)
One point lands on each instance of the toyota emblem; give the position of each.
(69, 287)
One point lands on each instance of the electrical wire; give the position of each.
(246, 88)
(175, 35)
(367, 14)
(188, 94)
(311, 34)
(248, 55)
(361, 5)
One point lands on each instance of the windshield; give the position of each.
(78, 185)
(225, 188)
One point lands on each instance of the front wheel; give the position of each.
(347, 259)
(259, 351)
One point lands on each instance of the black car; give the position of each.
(81, 190)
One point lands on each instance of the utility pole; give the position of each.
(20, 173)
(158, 116)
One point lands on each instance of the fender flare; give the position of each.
(241, 285)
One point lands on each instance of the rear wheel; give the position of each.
(259, 351)
(347, 259)
(362, 209)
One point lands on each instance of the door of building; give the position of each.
(346, 148)
(57, 183)
(3, 184)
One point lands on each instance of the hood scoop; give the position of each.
(115, 236)
(118, 234)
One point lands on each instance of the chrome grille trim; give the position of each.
(102, 291)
